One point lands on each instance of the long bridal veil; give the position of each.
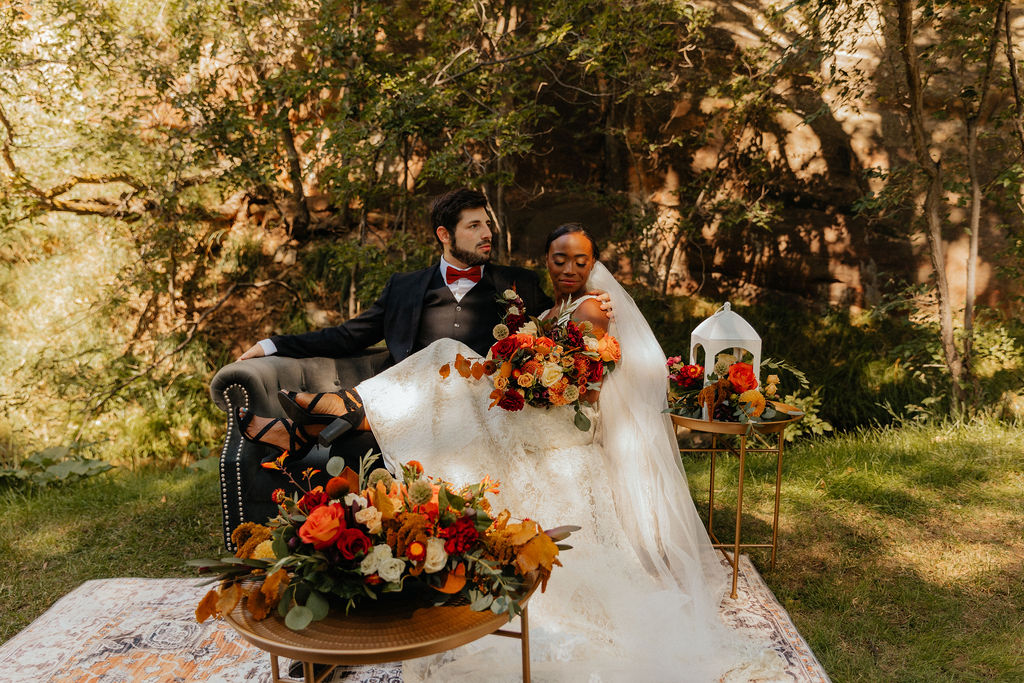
(641, 457)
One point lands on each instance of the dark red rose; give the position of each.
(514, 322)
(742, 377)
(512, 400)
(596, 370)
(573, 334)
(353, 543)
(504, 348)
(313, 500)
(460, 536)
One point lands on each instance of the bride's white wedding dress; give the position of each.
(636, 598)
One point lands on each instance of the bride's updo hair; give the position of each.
(567, 228)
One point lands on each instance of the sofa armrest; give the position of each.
(253, 384)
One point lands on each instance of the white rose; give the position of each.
(500, 331)
(529, 327)
(571, 393)
(436, 558)
(513, 310)
(371, 563)
(391, 570)
(353, 497)
(371, 518)
(551, 374)
(590, 343)
(510, 294)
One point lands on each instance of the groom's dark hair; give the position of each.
(447, 208)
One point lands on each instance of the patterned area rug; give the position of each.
(144, 631)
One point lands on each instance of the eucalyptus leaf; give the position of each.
(335, 466)
(318, 605)
(581, 421)
(298, 618)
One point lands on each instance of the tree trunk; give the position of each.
(933, 199)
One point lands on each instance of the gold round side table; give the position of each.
(741, 430)
(377, 633)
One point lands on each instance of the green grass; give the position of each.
(901, 550)
(143, 523)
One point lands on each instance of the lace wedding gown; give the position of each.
(636, 598)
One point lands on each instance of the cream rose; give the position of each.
(551, 374)
(773, 379)
(436, 558)
(528, 327)
(391, 569)
(371, 563)
(355, 498)
(371, 518)
(513, 310)
(525, 380)
(590, 343)
(510, 294)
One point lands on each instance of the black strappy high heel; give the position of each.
(306, 416)
(337, 425)
(299, 442)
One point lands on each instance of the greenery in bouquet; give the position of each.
(542, 363)
(731, 392)
(367, 534)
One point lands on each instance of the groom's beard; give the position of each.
(470, 258)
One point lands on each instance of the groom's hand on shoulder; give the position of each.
(254, 351)
(605, 301)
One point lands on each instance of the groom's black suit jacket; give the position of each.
(397, 315)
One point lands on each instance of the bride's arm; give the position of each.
(591, 311)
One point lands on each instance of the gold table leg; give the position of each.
(778, 489)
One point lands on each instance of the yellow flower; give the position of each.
(500, 383)
(770, 390)
(526, 380)
(264, 551)
(755, 401)
(773, 379)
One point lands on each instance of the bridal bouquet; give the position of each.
(363, 535)
(542, 362)
(732, 393)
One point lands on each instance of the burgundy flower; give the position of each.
(505, 347)
(512, 400)
(352, 543)
(460, 536)
(514, 322)
(313, 500)
(573, 334)
(596, 371)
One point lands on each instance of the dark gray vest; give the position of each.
(471, 321)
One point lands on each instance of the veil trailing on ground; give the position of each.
(641, 455)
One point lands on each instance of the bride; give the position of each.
(637, 596)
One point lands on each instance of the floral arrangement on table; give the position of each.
(541, 363)
(731, 393)
(367, 534)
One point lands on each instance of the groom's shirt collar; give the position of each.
(461, 287)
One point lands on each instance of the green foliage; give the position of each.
(51, 466)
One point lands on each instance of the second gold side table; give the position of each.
(717, 429)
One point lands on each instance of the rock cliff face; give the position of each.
(820, 154)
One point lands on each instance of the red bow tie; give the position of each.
(454, 274)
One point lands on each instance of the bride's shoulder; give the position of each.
(589, 309)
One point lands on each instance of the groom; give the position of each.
(454, 298)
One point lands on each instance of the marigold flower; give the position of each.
(278, 496)
(416, 551)
(755, 401)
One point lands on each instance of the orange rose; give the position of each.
(544, 344)
(323, 526)
(525, 340)
(608, 347)
(742, 377)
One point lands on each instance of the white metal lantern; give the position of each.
(725, 331)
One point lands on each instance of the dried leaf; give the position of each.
(523, 532)
(229, 598)
(478, 370)
(274, 584)
(462, 365)
(495, 398)
(259, 606)
(541, 552)
(352, 477)
(445, 370)
(207, 606)
(383, 503)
